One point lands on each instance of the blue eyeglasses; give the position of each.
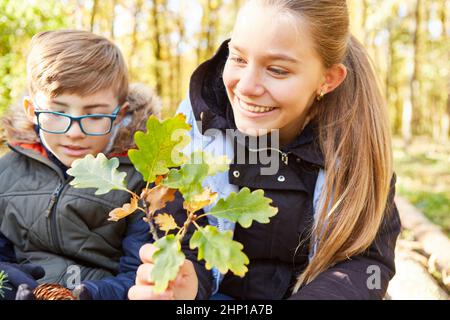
(91, 125)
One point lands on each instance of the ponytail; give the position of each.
(354, 137)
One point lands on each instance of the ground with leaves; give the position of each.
(423, 177)
(422, 258)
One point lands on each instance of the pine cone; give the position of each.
(49, 291)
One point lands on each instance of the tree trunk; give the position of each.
(137, 9)
(416, 88)
(93, 14)
(392, 87)
(445, 124)
(179, 65)
(168, 57)
(209, 32)
(212, 27)
(156, 44)
(202, 34)
(112, 19)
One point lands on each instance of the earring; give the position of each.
(320, 96)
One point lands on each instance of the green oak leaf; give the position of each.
(160, 148)
(167, 261)
(219, 250)
(188, 180)
(215, 164)
(245, 207)
(97, 172)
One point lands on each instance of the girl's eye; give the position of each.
(278, 72)
(237, 59)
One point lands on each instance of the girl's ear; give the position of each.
(28, 107)
(334, 76)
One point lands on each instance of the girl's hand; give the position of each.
(184, 287)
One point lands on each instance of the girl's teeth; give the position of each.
(257, 108)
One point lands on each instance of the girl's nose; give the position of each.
(249, 83)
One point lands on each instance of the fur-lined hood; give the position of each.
(17, 129)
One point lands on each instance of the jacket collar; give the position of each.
(38, 152)
(211, 106)
(208, 95)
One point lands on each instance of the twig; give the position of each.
(190, 218)
(150, 222)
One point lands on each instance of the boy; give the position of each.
(50, 231)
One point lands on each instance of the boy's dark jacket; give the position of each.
(65, 230)
(47, 222)
(276, 258)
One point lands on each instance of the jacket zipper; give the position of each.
(51, 214)
(219, 224)
(284, 155)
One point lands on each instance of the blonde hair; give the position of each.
(75, 62)
(354, 137)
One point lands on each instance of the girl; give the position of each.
(293, 66)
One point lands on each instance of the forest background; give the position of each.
(164, 40)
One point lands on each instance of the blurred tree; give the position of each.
(164, 40)
(418, 58)
(181, 31)
(112, 19)
(208, 29)
(93, 14)
(137, 7)
(155, 25)
(20, 20)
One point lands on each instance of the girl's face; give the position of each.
(273, 73)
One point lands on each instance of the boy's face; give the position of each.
(74, 144)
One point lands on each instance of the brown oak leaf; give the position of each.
(126, 210)
(165, 222)
(200, 201)
(157, 197)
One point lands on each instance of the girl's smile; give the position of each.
(252, 110)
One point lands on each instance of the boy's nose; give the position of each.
(75, 130)
(249, 83)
